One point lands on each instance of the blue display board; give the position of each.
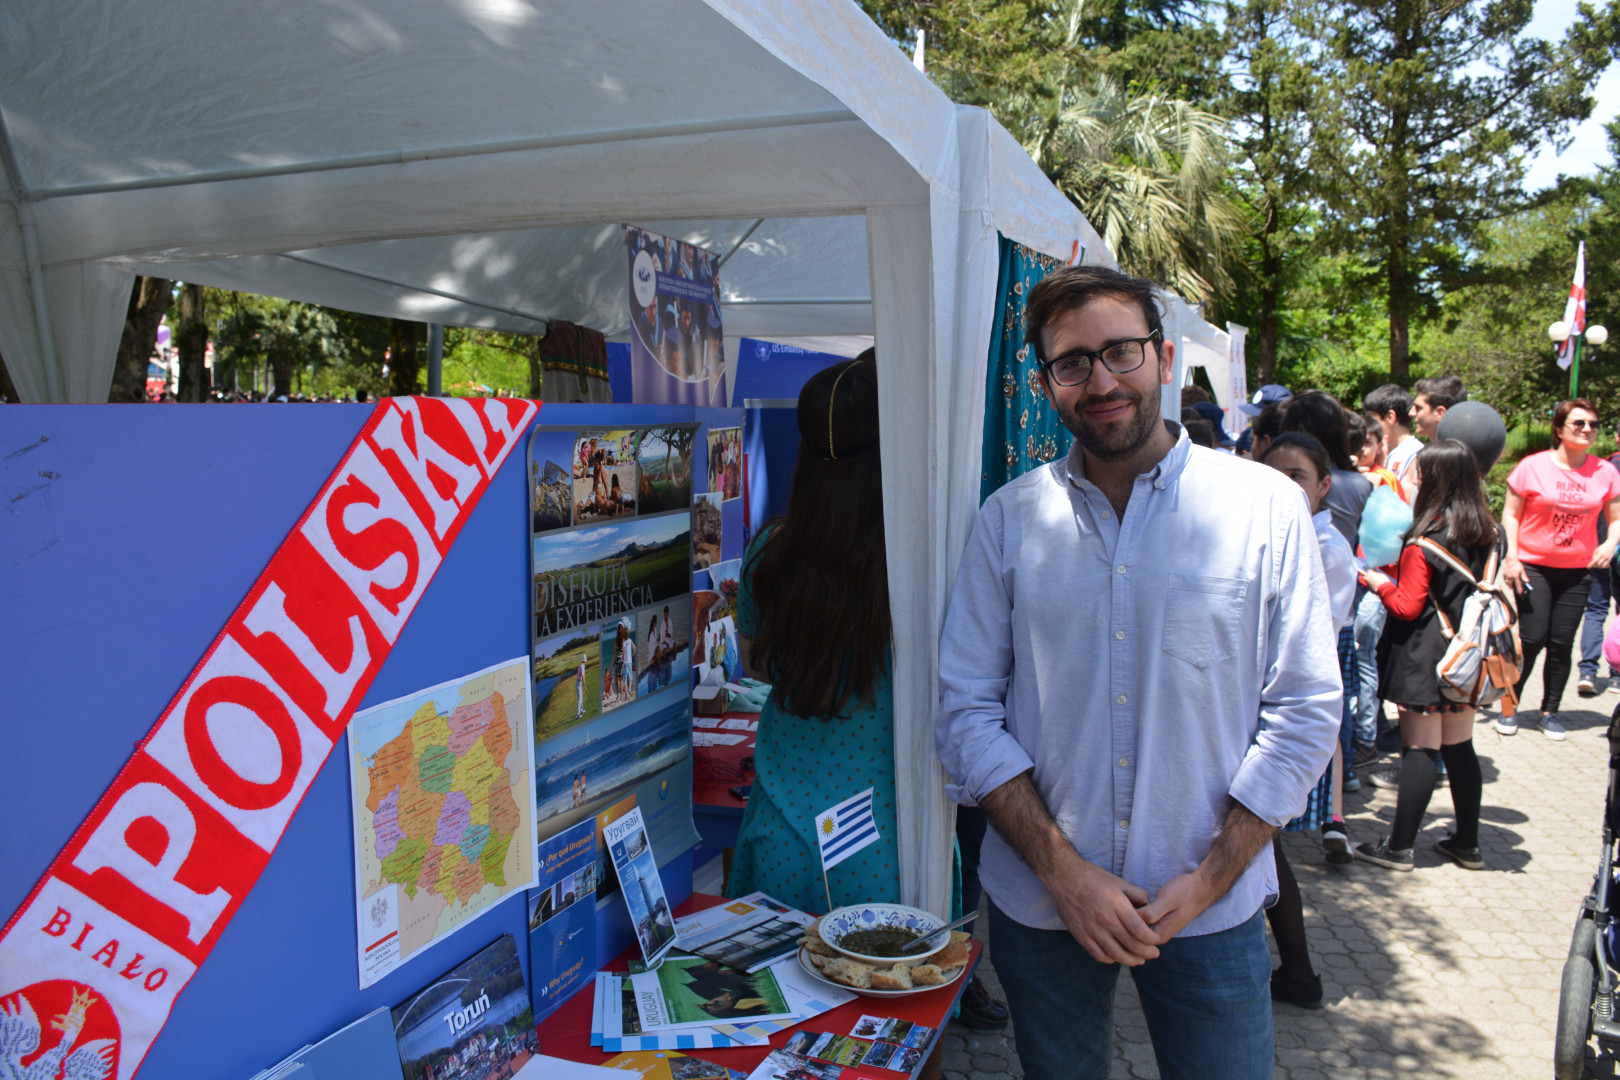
(130, 535)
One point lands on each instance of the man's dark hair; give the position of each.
(1442, 392)
(1390, 398)
(1319, 414)
(1071, 287)
(1192, 393)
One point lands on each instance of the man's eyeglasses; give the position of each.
(1121, 358)
(1578, 423)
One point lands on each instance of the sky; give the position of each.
(1589, 148)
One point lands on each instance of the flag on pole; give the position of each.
(1574, 310)
(845, 829)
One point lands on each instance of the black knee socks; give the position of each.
(1287, 919)
(1467, 786)
(1417, 785)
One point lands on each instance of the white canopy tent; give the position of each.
(470, 161)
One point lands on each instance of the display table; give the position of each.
(566, 1033)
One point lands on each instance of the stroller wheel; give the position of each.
(1575, 1003)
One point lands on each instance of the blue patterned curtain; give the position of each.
(1021, 430)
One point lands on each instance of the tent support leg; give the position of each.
(435, 371)
(42, 309)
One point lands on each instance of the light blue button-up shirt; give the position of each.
(1130, 664)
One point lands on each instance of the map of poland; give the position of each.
(443, 818)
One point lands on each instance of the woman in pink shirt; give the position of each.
(1550, 518)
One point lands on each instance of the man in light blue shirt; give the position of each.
(1139, 684)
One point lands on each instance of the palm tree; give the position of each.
(1147, 172)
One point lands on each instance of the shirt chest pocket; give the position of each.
(1203, 618)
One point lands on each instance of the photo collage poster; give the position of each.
(677, 351)
(718, 540)
(610, 601)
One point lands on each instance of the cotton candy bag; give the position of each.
(1384, 521)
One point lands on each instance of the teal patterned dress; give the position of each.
(802, 767)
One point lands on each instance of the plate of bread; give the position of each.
(890, 978)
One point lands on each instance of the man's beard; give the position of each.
(1119, 438)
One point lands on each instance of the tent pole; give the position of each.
(36, 267)
(738, 245)
(405, 157)
(542, 320)
(42, 310)
(435, 371)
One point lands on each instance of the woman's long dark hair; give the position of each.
(1319, 414)
(820, 577)
(1451, 506)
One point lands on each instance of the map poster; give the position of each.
(442, 784)
(677, 353)
(633, 863)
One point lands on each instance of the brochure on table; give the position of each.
(562, 918)
(637, 871)
(473, 1022)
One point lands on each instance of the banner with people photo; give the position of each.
(677, 351)
(610, 530)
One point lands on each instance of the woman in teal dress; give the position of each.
(813, 620)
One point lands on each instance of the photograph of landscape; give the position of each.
(597, 574)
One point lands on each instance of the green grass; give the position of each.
(555, 715)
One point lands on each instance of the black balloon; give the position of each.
(1477, 426)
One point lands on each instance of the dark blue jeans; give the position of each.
(1207, 1001)
(1597, 609)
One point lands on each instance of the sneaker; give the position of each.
(1306, 995)
(1386, 778)
(1384, 855)
(1441, 780)
(980, 1011)
(1468, 858)
(1507, 725)
(1552, 728)
(1366, 754)
(1336, 844)
(1587, 687)
(1352, 782)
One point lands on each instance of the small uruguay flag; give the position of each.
(845, 829)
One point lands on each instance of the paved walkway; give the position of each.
(1442, 972)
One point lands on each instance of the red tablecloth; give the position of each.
(566, 1033)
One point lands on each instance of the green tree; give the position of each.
(1148, 172)
(149, 301)
(1274, 91)
(1434, 104)
(288, 336)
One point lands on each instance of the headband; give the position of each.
(831, 452)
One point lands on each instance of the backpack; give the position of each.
(1482, 657)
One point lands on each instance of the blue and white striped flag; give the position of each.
(845, 829)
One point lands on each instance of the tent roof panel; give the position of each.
(312, 81)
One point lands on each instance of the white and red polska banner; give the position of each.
(90, 965)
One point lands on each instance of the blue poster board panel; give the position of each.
(131, 534)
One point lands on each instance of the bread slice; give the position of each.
(895, 978)
(952, 955)
(849, 972)
(815, 943)
(926, 975)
